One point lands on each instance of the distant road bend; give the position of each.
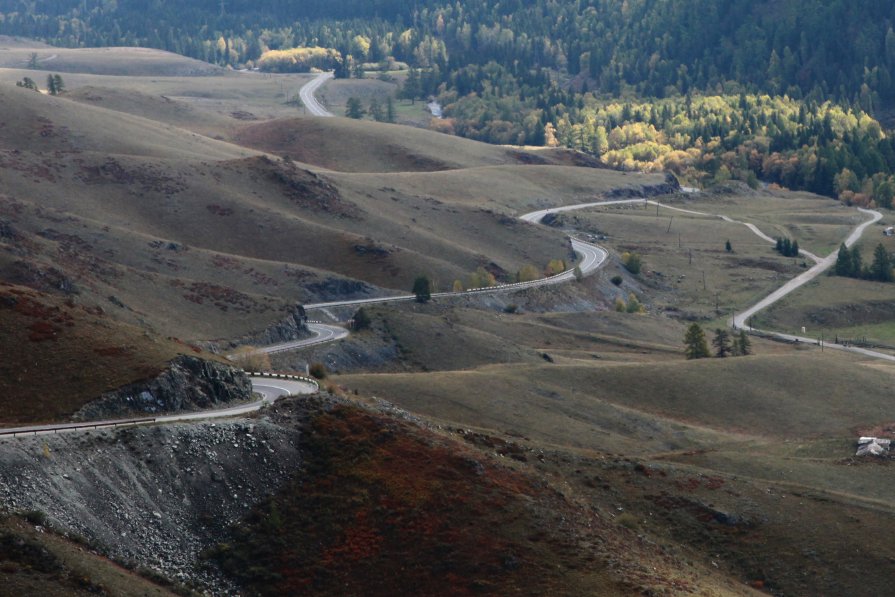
(306, 93)
(270, 389)
(740, 320)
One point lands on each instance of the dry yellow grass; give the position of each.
(102, 61)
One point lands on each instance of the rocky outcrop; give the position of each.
(292, 327)
(189, 383)
(334, 289)
(671, 185)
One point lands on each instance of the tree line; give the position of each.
(754, 90)
(822, 49)
(724, 343)
(850, 264)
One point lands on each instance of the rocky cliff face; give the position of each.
(189, 383)
(153, 496)
(292, 327)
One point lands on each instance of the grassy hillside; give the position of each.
(570, 448)
(353, 146)
(102, 61)
(35, 122)
(380, 500)
(162, 217)
(852, 310)
(597, 406)
(59, 354)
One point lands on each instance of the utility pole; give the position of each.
(703, 280)
(690, 253)
(657, 209)
(669, 224)
(716, 301)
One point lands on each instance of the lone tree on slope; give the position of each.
(354, 108)
(422, 289)
(695, 344)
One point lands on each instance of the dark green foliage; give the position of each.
(354, 108)
(788, 247)
(844, 265)
(617, 280)
(722, 344)
(389, 110)
(28, 83)
(375, 110)
(695, 346)
(422, 289)
(857, 262)
(361, 319)
(317, 370)
(881, 268)
(741, 346)
(632, 262)
(412, 88)
(745, 345)
(55, 85)
(728, 247)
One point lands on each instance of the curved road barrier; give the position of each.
(271, 386)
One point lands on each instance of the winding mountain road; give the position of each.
(740, 320)
(592, 258)
(306, 93)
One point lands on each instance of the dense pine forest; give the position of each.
(782, 92)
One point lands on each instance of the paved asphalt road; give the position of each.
(307, 95)
(270, 390)
(322, 333)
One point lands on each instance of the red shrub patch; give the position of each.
(42, 330)
(383, 509)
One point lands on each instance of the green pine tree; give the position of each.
(721, 342)
(881, 268)
(354, 108)
(422, 289)
(843, 265)
(695, 344)
(390, 109)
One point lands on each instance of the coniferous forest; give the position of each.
(795, 93)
